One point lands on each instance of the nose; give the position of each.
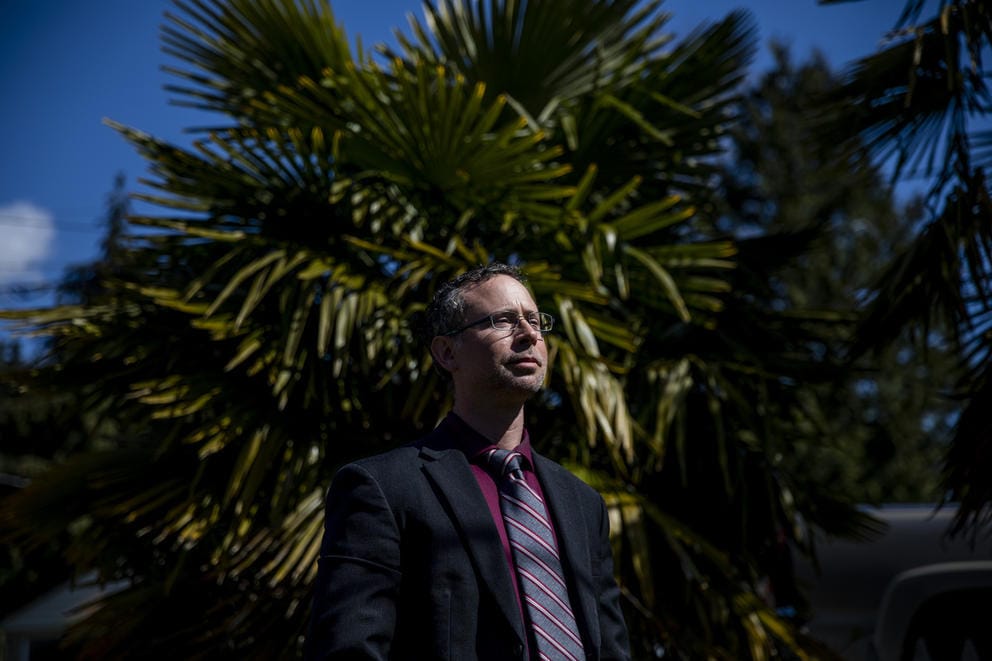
(524, 328)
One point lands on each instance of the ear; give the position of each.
(443, 351)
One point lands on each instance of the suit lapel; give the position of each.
(563, 501)
(450, 473)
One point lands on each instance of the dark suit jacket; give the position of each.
(412, 567)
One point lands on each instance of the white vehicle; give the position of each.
(912, 595)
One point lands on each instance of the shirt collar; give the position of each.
(474, 444)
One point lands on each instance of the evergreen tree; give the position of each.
(826, 221)
(43, 423)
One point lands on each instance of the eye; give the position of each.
(534, 320)
(504, 320)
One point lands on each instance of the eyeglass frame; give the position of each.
(492, 322)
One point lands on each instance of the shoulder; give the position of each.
(386, 466)
(400, 462)
(554, 475)
(383, 480)
(397, 456)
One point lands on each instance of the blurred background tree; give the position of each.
(700, 244)
(830, 217)
(43, 423)
(921, 105)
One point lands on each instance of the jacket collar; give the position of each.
(447, 467)
(562, 500)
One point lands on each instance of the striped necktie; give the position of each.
(554, 634)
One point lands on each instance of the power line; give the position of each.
(62, 227)
(9, 268)
(49, 212)
(27, 292)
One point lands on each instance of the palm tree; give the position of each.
(924, 106)
(264, 330)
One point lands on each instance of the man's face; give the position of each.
(489, 363)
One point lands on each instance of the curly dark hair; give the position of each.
(447, 309)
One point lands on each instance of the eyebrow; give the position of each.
(514, 311)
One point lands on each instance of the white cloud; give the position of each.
(27, 237)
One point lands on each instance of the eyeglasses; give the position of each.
(510, 321)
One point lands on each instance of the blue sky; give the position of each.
(67, 64)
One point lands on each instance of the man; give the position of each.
(468, 544)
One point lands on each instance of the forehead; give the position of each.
(498, 293)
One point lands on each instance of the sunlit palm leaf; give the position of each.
(517, 53)
(920, 94)
(265, 44)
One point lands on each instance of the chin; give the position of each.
(528, 384)
(531, 386)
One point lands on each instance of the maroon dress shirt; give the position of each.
(475, 445)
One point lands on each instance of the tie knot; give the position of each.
(505, 463)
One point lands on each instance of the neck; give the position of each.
(502, 426)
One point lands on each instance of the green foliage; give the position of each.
(923, 102)
(874, 426)
(43, 424)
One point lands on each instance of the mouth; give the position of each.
(525, 360)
